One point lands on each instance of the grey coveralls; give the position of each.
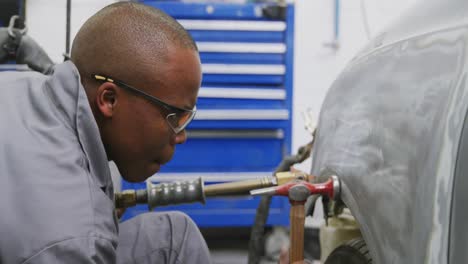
(56, 189)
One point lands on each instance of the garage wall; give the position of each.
(46, 20)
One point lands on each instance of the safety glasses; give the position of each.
(178, 118)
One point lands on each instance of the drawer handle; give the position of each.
(274, 134)
(234, 25)
(242, 114)
(238, 47)
(242, 93)
(214, 68)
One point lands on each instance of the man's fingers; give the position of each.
(284, 255)
(119, 212)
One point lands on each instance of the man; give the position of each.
(126, 95)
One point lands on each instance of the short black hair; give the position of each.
(112, 38)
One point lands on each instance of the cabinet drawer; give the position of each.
(228, 150)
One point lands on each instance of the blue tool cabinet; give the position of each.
(242, 129)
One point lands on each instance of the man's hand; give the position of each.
(284, 255)
(30, 53)
(27, 51)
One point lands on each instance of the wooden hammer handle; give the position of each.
(296, 234)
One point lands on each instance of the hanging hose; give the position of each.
(66, 55)
(257, 239)
(310, 205)
(22, 10)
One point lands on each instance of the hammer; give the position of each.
(298, 192)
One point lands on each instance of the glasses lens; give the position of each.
(178, 121)
(173, 120)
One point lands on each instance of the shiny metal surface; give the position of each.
(263, 191)
(238, 187)
(299, 193)
(175, 193)
(126, 198)
(336, 187)
(390, 127)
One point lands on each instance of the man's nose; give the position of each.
(181, 137)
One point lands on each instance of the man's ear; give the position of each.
(106, 99)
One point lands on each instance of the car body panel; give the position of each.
(390, 128)
(459, 214)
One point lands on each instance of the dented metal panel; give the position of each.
(390, 127)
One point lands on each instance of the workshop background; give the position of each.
(327, 34)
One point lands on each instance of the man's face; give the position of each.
(141, 138)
